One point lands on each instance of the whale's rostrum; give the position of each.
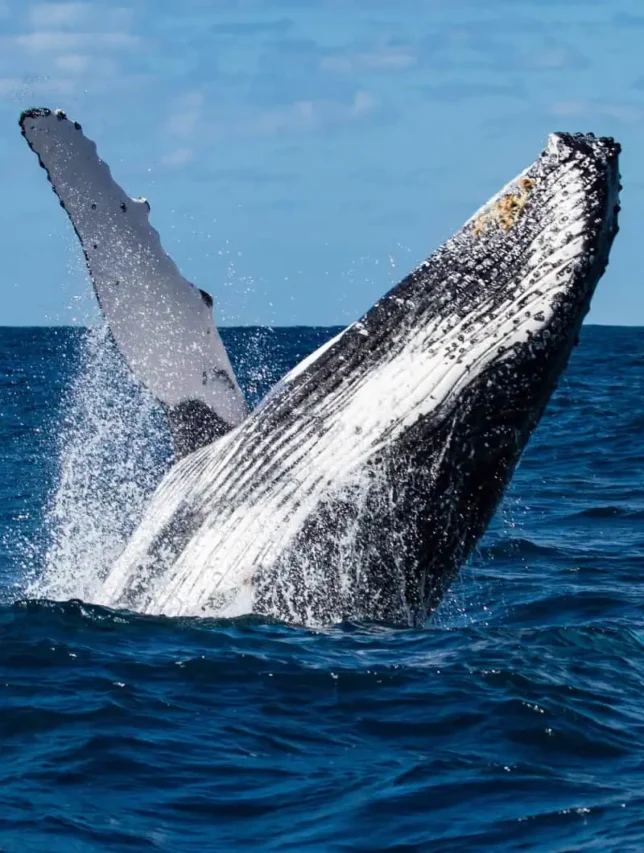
(362, 483)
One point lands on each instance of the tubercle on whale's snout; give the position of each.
(564, 143)
(596, 160)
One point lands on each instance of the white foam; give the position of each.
(112, 444)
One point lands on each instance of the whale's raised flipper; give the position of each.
(162, 324)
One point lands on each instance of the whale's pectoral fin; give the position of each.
(162, 324)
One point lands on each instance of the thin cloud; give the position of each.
(186, 115)
(66, 16)
(178, 158)
(73, 63)
(59, 42)
(302, 116)
(558, 57)
(44, 16)
(456, 92)
(384, 59)
(255, 177)
(252, 28)
(623, 112)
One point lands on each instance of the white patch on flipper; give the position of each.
(161, 322)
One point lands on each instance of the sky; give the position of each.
(301, 156)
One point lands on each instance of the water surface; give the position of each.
(512, 722)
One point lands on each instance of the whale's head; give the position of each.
(434, 392)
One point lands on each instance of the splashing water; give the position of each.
(112, 449)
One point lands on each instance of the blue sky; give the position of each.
(301, 156)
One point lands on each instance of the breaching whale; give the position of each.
(362, 482)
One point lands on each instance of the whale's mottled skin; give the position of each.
(362, 483)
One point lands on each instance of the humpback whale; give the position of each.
(360, 485)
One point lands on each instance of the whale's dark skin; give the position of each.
(363, 482)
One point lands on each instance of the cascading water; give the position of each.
(112, 448)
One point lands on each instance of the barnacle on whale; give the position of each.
(506, 211)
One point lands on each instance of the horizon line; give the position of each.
(275, 326)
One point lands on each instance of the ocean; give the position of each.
(513, 721)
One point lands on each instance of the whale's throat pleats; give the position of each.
(162, 324)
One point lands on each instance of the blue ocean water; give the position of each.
(514, 721)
